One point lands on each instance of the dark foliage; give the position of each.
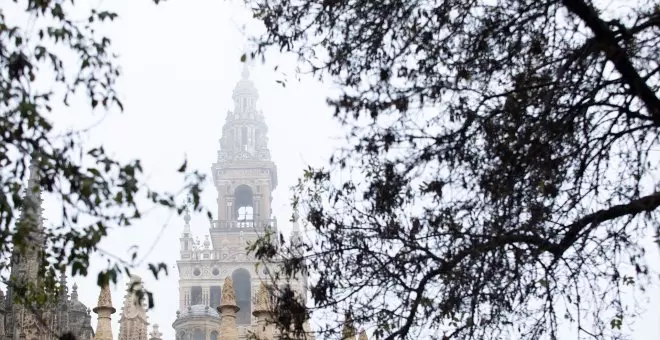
(60, 51)
(502, 156)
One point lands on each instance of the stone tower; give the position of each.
(133, 323)
(33, 322)
(244, 177)
(26, 262)
(104, 310)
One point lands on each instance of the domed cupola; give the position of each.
(197, 322)
(245, 87)
(198, 311)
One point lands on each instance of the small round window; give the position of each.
(196, 272)
(216, 271)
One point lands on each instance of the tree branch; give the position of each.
(647, 203)
(617, 55)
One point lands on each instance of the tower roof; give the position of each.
(262, 301)
(228, 293)
(105, 300)
(245, 87)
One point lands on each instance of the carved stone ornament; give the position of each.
(228, 293)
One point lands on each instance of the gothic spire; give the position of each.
(228, 294)
(262, 302)
(74, 292)
(227, 310)
(31, 209)
(104, 310)
(64, 290)
(133, 322)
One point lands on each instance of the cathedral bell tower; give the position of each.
(244, 174)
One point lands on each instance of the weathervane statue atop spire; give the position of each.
(246, 72)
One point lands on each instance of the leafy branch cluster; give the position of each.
(64, 55)
(502, 155)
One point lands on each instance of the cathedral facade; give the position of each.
(66, 315)
(22, 322)
(222, 288)
(218, 271)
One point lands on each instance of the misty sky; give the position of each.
(180, 63)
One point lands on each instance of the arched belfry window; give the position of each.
(199, 335)
(243, 200)
(243, 287)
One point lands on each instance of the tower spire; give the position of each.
(227, 310)
(64, 290)
(263, 313)
(133, 323)
(104, 310)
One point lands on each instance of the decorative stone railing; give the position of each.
(217, 225)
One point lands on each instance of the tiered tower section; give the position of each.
(245, 178)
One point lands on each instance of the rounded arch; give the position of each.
(243, 287)
(214, 335)
(198, 334)
(243, 203)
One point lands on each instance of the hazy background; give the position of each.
(180, 63)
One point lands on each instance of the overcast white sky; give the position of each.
(180, 62)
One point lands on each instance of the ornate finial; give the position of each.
(155, 333)
(64, 290)
(296, 221)
(104, 310)
(262, 302)
(228, 293)
(363, 335)
(135, 280)
(33, 180)
(207, 243)
(186, 217)
(105, 300)
(74, 292)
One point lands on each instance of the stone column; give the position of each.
(205, 296)
(262, 312)
(227, 310)
(104, 310)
